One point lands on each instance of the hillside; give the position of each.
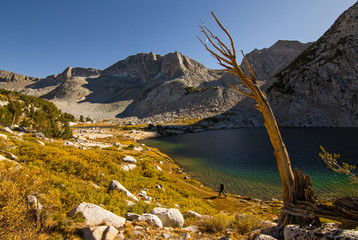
(320, 87)
(269, 61)
(33, 114)
(55, 176)
(149, 86)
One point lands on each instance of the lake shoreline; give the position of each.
(303, 149)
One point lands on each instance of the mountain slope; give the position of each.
(268, 61)
(320, 88)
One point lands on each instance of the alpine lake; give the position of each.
(243, 159)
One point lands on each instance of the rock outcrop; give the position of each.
(269, 61)
(295, 232)
(115, 185)
(6, 76)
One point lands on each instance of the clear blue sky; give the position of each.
(43, 37)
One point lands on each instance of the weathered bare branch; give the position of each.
(227, 33)
(242, 92)
(253, 78)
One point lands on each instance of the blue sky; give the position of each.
(43, 37)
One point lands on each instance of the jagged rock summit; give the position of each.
(320, 88)
(268, 61)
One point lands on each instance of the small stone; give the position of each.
(99, 233)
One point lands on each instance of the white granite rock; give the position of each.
(114, 184)
(170, 217)
(95, 215)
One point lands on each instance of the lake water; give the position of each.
(243, 158)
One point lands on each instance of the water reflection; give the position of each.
(244, 160)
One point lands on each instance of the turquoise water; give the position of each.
(243, 158)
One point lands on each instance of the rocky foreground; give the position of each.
(150, 207)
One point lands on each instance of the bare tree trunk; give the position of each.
(300, 205)
(281, 154)
(227, 58)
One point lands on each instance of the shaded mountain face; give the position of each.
(268, 61)
(321, 86)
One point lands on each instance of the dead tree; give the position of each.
(226, 56)
(300, 205)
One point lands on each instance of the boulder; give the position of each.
(95, 215)
(292, 232)
(129, 159)
(39, 135)
(114, 184)
(264, 237)
(99, 233)
(170, 217)
(128, 167)
(151, 219)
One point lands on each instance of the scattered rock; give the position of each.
(137, 148)
(292, 232)
(7, 129)
(151, 219)
(9, 155)
(167, 235)
(225, 238)
(41, 143)
(99, 233)
(192, 214)
(128, 167)
(185, 236)
(129, 203)
(160, 186)
(114, 184)
(158, 168)
(264, 237)
(129, 159)
(193, 229)
(3, 136)
(39, 135)
(34, 205)
(95, 215)
(170, 217)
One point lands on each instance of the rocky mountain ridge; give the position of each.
(269, 61)
(321, 86)
(313, 84)
(146, 86)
